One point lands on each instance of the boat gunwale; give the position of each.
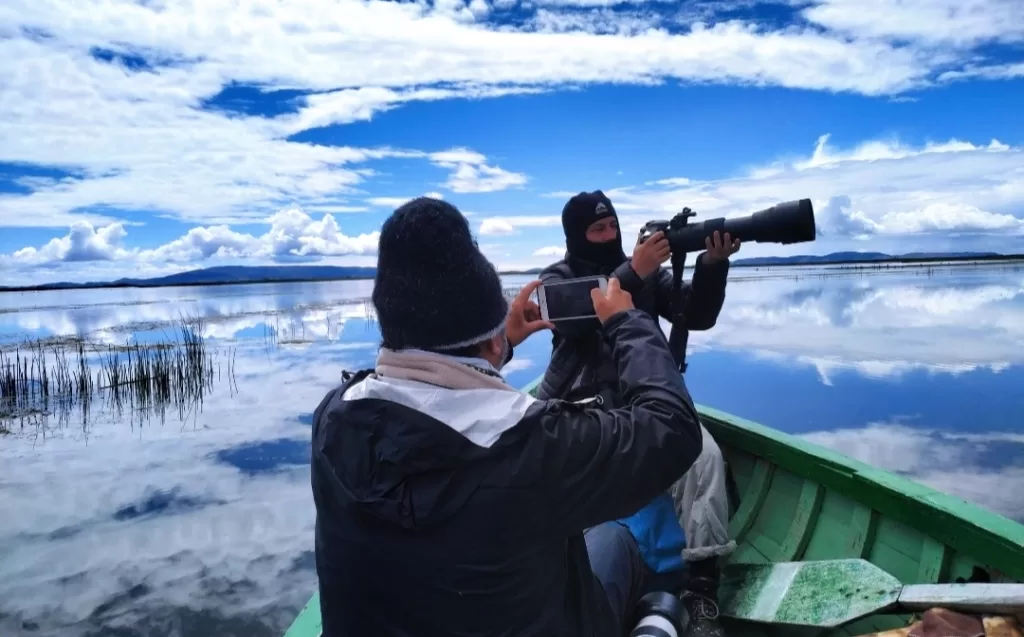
(983, 535)
(978, 533)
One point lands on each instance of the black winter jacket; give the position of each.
(581, 359)
(460, 512)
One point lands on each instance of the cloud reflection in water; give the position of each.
(955, 321)
(978, 467)
(205, 527)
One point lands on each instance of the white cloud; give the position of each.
(450, 47)
(496, 227)
(598, 19)
(141, 141)
(388, 202)
(291, 233)
(550, 251)
(471, 173)
(136, 139)
(82, 243)
(505, 225)
(394, 202)
(881, 187)
(993, 72)
(877, 189)
(958, 23)
(359, 104)
(331, 208)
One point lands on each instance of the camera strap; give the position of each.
(678, 336)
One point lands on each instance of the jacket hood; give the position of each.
(407, 452)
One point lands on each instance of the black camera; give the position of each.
(788, 222)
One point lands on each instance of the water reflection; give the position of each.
(205, 526)
(115, 313)
(977, 467)
(878, 326)
(200, 529)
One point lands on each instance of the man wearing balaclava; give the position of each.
(682, 534)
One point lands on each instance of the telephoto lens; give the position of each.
(787, 222)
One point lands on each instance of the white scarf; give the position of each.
(437, 369)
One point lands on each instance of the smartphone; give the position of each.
(570, 299)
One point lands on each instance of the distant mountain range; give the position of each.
(867, 257)
(222, 275)
(233, 274)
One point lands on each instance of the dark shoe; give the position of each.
(701, 602)
(703, 613)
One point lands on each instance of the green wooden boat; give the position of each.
(794, 501)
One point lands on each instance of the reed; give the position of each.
(36, 372)
(179, 372)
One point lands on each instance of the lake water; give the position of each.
(120, 521)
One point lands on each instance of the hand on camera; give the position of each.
(719, 250)
(524, 316)
(612, 301)
(650, 254)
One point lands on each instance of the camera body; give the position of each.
(788, 222)
(675, 223)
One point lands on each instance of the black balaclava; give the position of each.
(577, 215)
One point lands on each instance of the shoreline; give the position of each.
(839, 265)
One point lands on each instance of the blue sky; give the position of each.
(141, 138)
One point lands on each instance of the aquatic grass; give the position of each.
(45, 377)
(37, 371)
(179, 372)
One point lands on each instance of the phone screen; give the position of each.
(570, 299)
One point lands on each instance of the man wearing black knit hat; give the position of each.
(449, 503)
(682, 533)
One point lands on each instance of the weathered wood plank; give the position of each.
(865, 521)
(753, 498)
(812, 495)
(974, 598)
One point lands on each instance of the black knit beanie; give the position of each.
(434, 290)
(577, 215)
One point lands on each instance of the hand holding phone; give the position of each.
(524, 316)
(569, 299)
(608, 303)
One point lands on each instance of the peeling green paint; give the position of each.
(817, 593)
